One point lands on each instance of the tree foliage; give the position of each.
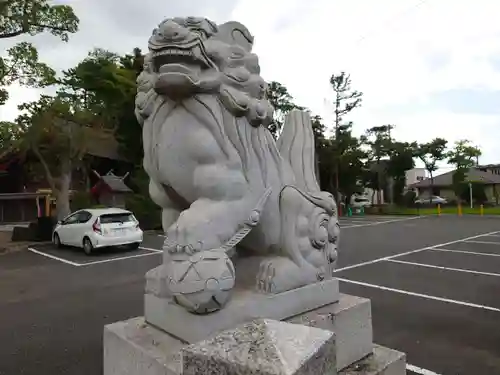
(282, 102)
(21, 64)
(379, 140)
(10, 134)
(32, 17)
(54, 131)
(463, 156)
(101, 85)
(430, 154)
(345, 100)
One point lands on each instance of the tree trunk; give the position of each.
(379, 183)
(432, 188)
(62, 199)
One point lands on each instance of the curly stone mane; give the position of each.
(223, 80)
(233, 74)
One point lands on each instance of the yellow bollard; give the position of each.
(459, 210)
(481, 210)
(439, 209)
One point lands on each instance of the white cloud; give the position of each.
(398, 53)
(387, 46)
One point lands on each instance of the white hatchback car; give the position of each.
(96, 228)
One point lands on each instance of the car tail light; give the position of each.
(96, 227)
(137, 226)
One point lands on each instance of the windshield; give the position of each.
(117, 218)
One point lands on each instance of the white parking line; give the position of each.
(410, 252)
(115, 259)
(443, 268)
(54, 257)
(421, 371)
(151, 249)
(494, 235)
(74, 264)
(484, 242)
(426, 296)
(467, 252)
(380, 222)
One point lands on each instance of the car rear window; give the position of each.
(117, 218)
(360, 199)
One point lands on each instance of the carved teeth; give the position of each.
(174, 51)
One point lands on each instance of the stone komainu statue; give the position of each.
(218, 174)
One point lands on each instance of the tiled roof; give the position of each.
(473, 175)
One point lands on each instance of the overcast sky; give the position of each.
(432, 68)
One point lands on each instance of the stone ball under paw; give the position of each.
(201, 283)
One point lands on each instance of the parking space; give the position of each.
(372, 220)
(151, 245)
(433, 283)
(437, 303)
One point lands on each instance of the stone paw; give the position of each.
(190, 235)
(279, 274)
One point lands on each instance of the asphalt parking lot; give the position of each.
(434, 283)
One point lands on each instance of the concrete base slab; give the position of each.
(133, 347)
(351, 321)
(383, 361)
(244, 306)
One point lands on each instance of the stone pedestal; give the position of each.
(264, 347)
(244, 306)
(135, 347)
(351, 321)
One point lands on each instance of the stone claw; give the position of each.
(265, 277)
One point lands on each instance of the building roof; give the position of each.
(100, 142)
(115, 183)
(446, 179)
(103, 144)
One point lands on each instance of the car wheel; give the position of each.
(134, 246)
(57, 241)
(88, 248)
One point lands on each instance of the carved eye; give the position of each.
(236, 55)
(201, 33)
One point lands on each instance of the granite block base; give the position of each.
(133, 347)
(263, 347)
(351, 321)
(244, 306)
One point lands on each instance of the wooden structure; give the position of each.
(24, 190)
(111, 190)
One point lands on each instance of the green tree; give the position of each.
(10, 134)
(463, 156)
(21, 64)
(53, 130)
(346, 99)
(430, 154)
(101, 85)
(378, 138)
(33, 17)
(282, 102)
(401, 159)
(342, 155)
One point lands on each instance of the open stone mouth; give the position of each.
(182, 56)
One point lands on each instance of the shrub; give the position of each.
(81, 200)
(145, 210)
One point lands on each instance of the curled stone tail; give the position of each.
(296, 146)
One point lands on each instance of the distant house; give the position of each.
(443, 183)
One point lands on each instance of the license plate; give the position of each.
(119, 231)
